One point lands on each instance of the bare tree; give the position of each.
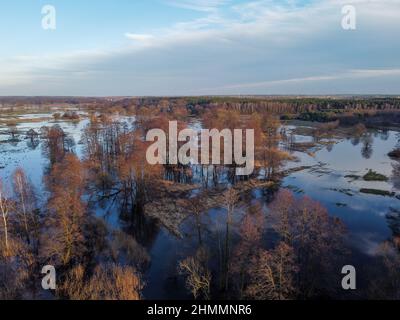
(396, 174)
(387, 287)
(64, 239)
(231, 199)
(196, 206)
(250, 231)
(5, 210)
(272, 274)
(198, 276)
(108, 282)
(12, 127)
(25, 203)
(55, 145)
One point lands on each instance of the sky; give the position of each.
(199, 47)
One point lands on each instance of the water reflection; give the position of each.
(396, 175)
(367, 141)
(393, 220)
(141, 227)
(365, 215)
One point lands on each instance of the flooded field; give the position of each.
(331, 171)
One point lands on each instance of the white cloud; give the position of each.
(139, 37)
(198, 5)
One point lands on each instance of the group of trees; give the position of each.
(115, 157)
(268, 155)
(19, 243)
(387, 287)
(62, 231)
(310, 245)
(196, 268)
(115, 152)
(64, 235)
(301, 262)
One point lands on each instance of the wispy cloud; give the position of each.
(139, 37)
(263, 46)
(349, 74)
(198, 5)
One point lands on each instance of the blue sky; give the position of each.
(189, 47)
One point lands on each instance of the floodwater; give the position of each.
(330, 179)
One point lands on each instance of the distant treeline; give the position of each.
(23, 101)
(373, 111)
(291, 105)
(244, 104)
(383, 110)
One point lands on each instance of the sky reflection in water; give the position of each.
(363, 214)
